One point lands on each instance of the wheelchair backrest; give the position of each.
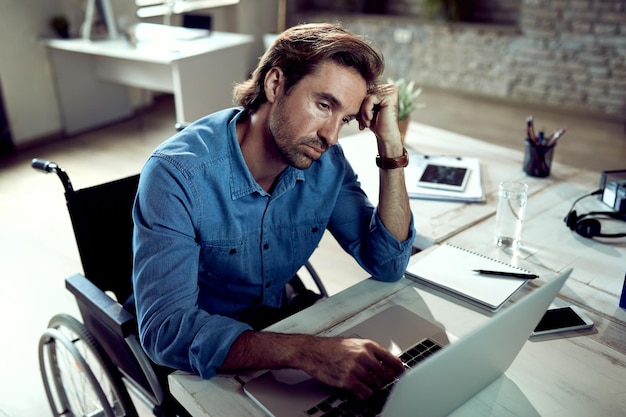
(102, 221)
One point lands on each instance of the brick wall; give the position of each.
(569, 53)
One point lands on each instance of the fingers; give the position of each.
(384, 98)
(373, 380)
(361, 366)
(378, 368)
(379, 111)
(390, 362)
(369, 111)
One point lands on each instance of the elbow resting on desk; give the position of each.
(391, 266)
(194, 342)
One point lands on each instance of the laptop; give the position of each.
(434, 387)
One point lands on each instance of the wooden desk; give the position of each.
(578, 376)
(92, 77)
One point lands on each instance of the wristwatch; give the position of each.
(393, 163)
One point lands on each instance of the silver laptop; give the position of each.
(434, 387)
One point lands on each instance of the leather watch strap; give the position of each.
(392, 163)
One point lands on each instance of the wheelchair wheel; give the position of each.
(78, 376)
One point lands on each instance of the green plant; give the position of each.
(407, 94)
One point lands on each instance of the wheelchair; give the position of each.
(90, 368)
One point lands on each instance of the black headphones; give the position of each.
(588, 224)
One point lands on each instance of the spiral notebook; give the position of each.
(450, 269)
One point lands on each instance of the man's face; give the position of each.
(307, 121)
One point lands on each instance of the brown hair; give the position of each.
(299, 51)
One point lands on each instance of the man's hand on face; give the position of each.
(361, 366)
(379, 113)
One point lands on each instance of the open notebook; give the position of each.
(450, 268)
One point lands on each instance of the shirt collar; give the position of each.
(242, 183)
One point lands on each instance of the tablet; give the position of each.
(444, 177)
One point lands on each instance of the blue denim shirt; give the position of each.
(209, 242)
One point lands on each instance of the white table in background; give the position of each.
(93, 76)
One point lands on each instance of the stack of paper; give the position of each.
(473, 192)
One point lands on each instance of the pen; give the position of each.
(506, 274)
(555, 136)
(530, 130)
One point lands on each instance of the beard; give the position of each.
(287, 144)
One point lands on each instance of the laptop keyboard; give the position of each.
(346, 404)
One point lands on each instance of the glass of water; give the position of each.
(512, 198)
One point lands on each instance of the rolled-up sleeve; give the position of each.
(358, 228)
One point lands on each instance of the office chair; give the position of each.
(90, 368)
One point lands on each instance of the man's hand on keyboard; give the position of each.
(361, 366)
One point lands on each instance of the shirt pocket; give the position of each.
(304, 240)
(224, 268)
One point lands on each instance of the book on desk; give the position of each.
(449, 185)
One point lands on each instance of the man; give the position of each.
(229, 209)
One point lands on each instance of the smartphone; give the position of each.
(562, 319)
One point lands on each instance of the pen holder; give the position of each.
(537, 159)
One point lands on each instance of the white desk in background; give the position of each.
(575, 376)
(93, 76)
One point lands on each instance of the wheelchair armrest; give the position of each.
(105, 309)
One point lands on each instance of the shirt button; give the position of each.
(266, 246)
(267, 285)
(233, 251)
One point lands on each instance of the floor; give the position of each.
(37, 246)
